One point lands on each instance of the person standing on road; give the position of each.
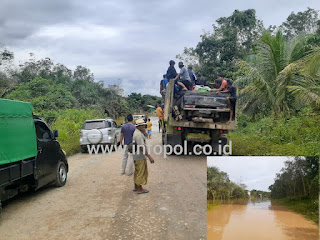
(160, 116)
(127, 131)
(139, 157)
(149, 127)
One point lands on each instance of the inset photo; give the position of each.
(262, 198)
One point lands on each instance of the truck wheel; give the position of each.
(61, 175)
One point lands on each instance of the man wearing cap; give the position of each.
(139, 155)
(127, 131)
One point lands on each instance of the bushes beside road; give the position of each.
(292, 136)
(69, 123)
(305, 206)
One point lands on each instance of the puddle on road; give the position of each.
(246, 220)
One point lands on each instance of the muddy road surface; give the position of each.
(98, 202)
(258, 220)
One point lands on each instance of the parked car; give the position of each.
(30, 155)
(99, 131)
(136, 117)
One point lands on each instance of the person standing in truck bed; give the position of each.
(231, 101)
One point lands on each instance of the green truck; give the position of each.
(30, 155)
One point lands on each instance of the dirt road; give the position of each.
(98, 203)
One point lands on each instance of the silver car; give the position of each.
(99, 131)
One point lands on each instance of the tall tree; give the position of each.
(232, 38)
(300, 23)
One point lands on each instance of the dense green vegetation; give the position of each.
(277, 73)
(219, 186)
(65, 98)
(297, 186)
(291, 136)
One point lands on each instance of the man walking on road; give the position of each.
(127, 131)
(149, 128)
(160, 116)
(139, 157)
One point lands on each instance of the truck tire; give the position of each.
(61, 174)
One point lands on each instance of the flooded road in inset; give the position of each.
(258, 221)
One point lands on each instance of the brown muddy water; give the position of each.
(264, 220)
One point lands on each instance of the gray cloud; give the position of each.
(128, 40)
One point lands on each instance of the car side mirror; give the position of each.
(55, 133)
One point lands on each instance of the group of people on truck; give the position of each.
(186, 80)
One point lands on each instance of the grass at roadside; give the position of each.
(69, 123)
(292, 136)
(307, 207)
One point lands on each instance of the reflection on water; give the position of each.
(257, 220)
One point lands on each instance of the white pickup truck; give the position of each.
(99, 131)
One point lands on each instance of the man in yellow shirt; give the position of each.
(149, 126)
(160, 116)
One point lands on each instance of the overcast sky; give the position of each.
(256, 172)
(125, 42)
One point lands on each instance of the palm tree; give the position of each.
(278, 73)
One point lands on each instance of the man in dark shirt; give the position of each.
(171, 73)
(200, 80)
(163, 85)
(231, 101)
(127, 131)
(192, 76)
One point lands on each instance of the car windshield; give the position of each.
(94, 125)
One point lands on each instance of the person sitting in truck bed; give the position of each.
(192, 77)
(185, 81)
(171, 72)
(200, 80)
(231, 101)
(223, 86)
(163, 85)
